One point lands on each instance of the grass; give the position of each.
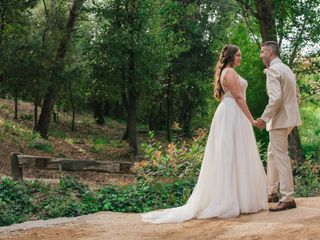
(98, 144)
(41, 145)
(310, 131)
(57, 133)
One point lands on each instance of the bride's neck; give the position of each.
(229, 66)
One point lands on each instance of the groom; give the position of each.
(280, 116)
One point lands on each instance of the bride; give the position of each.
(232, 179)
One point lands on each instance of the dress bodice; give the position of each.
(243, 85)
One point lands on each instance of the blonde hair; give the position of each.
(227, 55)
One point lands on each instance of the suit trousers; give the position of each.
(279, 170)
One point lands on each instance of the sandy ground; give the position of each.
(300, 223)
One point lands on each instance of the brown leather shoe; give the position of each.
(283, 206)
(273, 198)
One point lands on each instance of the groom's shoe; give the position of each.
(273, 198)
(283, 206)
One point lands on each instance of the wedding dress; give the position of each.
(232, 179)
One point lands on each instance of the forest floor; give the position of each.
(88, 141)
(302, 223)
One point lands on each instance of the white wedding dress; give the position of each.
(232, 179)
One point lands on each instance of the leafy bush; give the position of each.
(15, 202)
(34, 200)
(12, 128)
(179, 161)
(17, 132)
(307, 178)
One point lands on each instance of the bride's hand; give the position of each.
(254, 123)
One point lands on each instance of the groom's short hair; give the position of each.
(273, 45)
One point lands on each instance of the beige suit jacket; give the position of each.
(282, 110)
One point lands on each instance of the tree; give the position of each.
(53, 89)
(295, 21)
(15, 22)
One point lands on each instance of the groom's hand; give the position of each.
(260, 123)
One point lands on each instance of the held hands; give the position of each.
(259, 123)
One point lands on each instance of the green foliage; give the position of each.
(298, 23)
(116, 143)
(179, 161)
(11, 128)
(145, 196)
(310, 131)
(98, 144)
(40, 144)
(263, 149)
(34, 200)
(56, 132)
(307, 179)
(15, 202)
(27, 117)
(69, 198)
(17, 131)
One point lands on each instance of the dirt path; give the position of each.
(302, 223)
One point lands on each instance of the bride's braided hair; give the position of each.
(227, 55)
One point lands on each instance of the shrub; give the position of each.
(307, 178)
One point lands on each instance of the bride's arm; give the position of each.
(231, 81)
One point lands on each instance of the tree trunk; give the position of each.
(35, 111)
(98, 112)
(48, 102)
(124, 99)
(295, 150)
(15, 104)
(168, 117)
(132, 101)
(186, 123)
(126, 133)
(185, 115)
(152, 119)
(106, 112)
(2, 25)
(126, 105)
(266, 17)
(44, 119)
(72, 107)
(56, 110)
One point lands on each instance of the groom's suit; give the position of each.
(281, 115)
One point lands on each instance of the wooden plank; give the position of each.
(125, 167)
(68, 164)
(16, 169)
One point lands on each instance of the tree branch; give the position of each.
(250, 29)
(296, 42)
(247, 7)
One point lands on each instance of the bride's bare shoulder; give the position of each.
(230, 73)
